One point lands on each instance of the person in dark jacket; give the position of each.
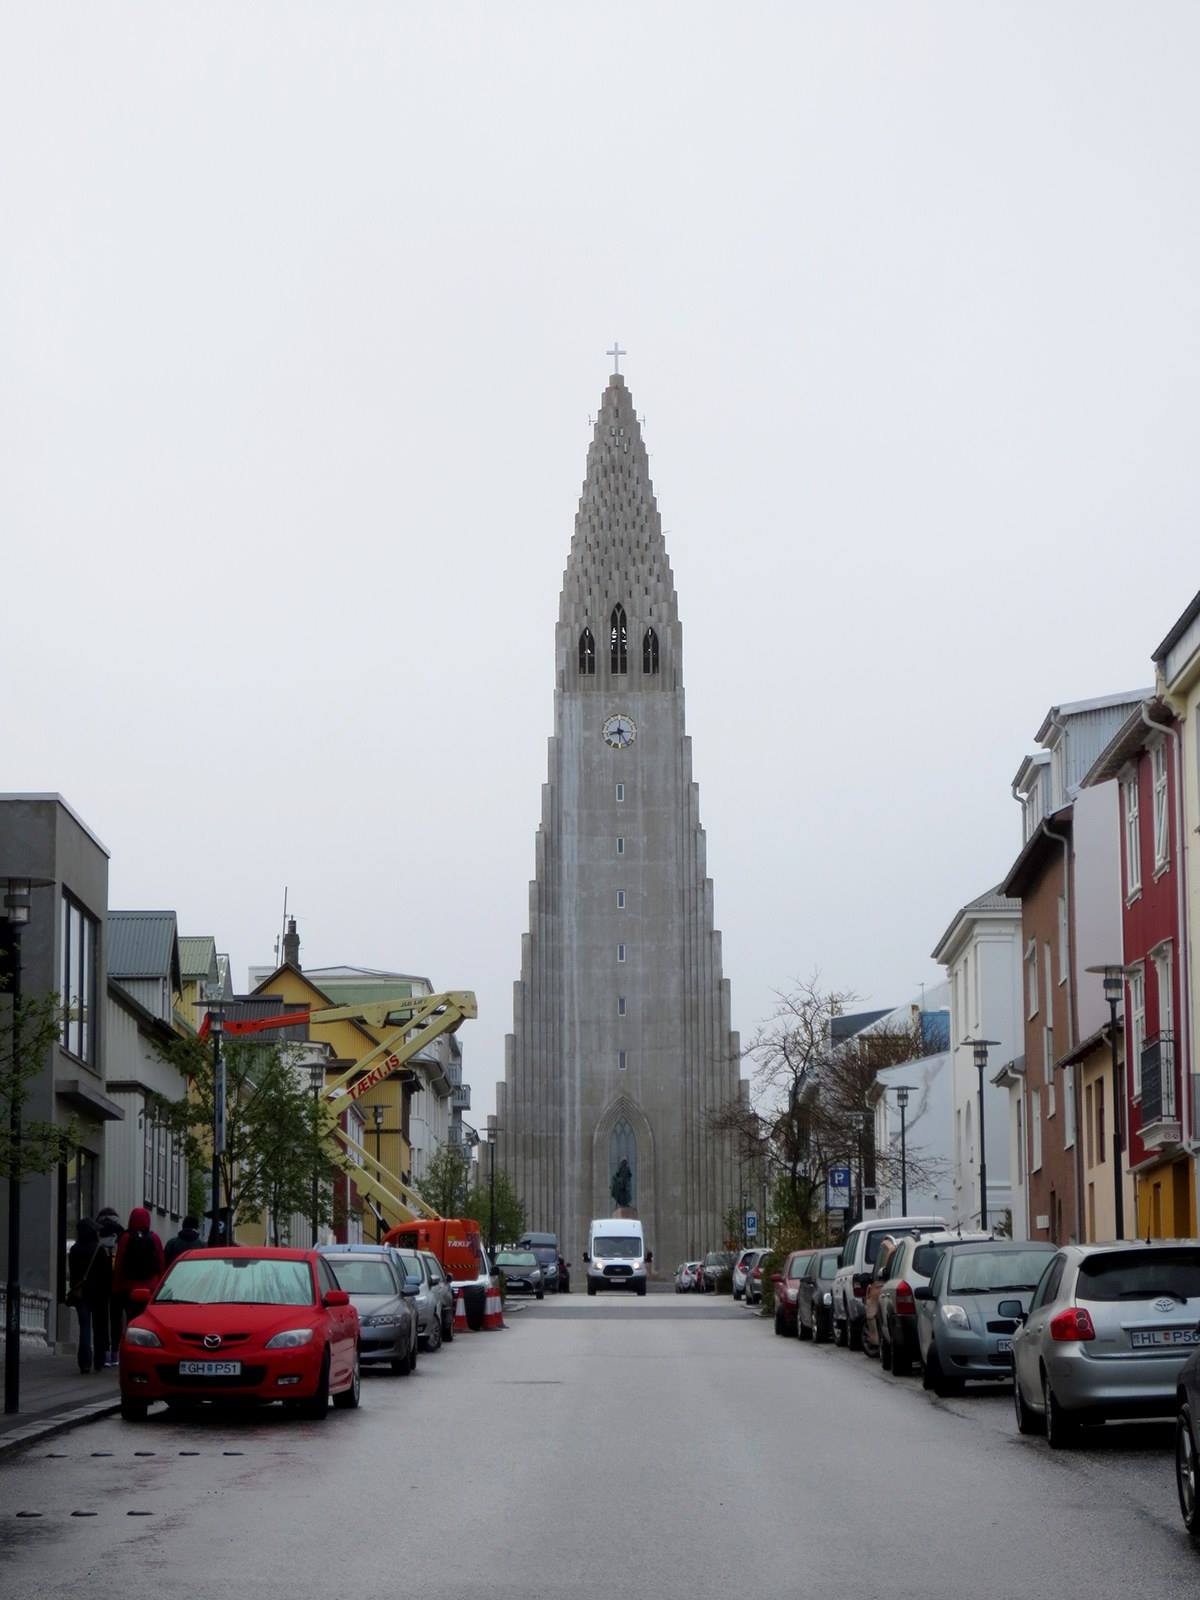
(108, 1224)
(89, 1290)
(187, 1238)
(139, 1263)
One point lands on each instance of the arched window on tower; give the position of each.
(619, 640)
(587, 654)
(622, 1147)
(650, 651)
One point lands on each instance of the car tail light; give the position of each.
(858, 1290)
(906, 1306)
(1072, 1324)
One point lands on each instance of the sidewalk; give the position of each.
(55, 1395)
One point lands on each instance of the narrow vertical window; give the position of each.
(620, 1005)
(1158, 773)
(620, 899)
(1133, 838)
(587, 654)
(620, 791)
(620, 1061)
(650, 651)
(620, 952)
(618, 640)
(620, 847)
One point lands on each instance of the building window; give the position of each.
(1162, 982)
(1020, 1141)
(1100, 1141)
(162, 1156)
(78, 980)
(1069, 1106)
(1136, 1012)
(618, 640)
(1031, 978)
(1162, 834)
(1133, 847)
(620, 1061)
(620, 1005)
(620, 952)
(176, 1178)
(967, 990)
(620, 792)
(650, 651)
(1089, 1126)
(587, 654)
(620, 899)
(147, 1157)
(1063, 939)
(1035, 1129)
(620, 847)
(1051, 1082)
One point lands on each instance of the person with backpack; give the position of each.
(187, 1238)
(140, 1261)
(108, 1225)
(89, 1289)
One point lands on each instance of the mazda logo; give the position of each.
(1165, 1304)
(212, 1341)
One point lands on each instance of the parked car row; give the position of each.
(1083, 1334)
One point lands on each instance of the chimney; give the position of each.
(291, 946)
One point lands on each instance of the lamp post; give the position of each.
(316, 1079)
(492, 1131)
(216, 1027)
(17, 895)
(377, 1112)
(981, 1048)
(903, 1090)
(1114, 990)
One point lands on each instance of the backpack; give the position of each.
(141, 1259)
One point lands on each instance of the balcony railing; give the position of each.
(460, 1097)
(1158, 1079)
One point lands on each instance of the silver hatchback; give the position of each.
(1107, 1331)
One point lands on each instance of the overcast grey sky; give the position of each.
(303, 311)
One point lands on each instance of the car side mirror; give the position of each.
(410, 1290)
(140, 1295)
(1012, 1309)
(332, 1298)
(922, 1291)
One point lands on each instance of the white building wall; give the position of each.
(928, 1135)
(138, 1171)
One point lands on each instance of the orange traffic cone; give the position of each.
(493, 1311)
(460, 1313)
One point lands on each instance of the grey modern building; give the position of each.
(63, 953)
(621, 1046)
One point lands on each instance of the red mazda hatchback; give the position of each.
(245, 1323)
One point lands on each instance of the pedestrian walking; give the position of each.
(108, 1225)
(89, 1291)
(139, 1263)
(187, 1238)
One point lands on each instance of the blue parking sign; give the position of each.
(838, 1189)
(752, 1224)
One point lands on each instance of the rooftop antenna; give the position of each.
(282, 927)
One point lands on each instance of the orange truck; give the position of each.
(458, 1245)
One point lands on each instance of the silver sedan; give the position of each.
(1107, 1331)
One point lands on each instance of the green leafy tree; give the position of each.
(510, 1211)
(27, 1032)
(447, 1181)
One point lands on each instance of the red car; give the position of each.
(787, 1289)
(245, 1323)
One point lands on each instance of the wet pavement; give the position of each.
(661, 1447)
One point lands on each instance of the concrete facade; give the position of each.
(621, 1044)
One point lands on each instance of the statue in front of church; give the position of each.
(622, 1184)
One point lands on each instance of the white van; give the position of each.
(616, 1255)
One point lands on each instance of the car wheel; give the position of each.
(317, 1409)
(1028, 1422)
(133, 1410)
(737, 1294)
(779, 1327)
(403, 1365)
(1185, 1470)
(448, 1327)
(541, 1294)
(804, 1330)
(885, 1352)
(898, 1352)
(347, 1399)
(641, 1288)
(932, 1377)
(1062, 1430)
(822, 1330)
(591, 1288)
(840, 1332)
(433, 1340)
(854, 1334)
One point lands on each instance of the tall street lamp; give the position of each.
(377, 1112)
(17, 895)
(492, 1131)
(1114, 990)
(903, 1090)
(981, 1048)
(316, 1079)
(216, 1027)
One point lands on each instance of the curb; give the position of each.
(60, 1422)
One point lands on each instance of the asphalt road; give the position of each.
(666, 1447)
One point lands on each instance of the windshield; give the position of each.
(516, 1258)
(610, 1245)
(362, 1274)
(539, 1241)
(545, 1254)
(1141, 1275)
(798, 1267)
(991, 1272)
(719, 1258)
(829, 1266)
(237, 1280)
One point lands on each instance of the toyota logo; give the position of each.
(1165, 1304)
(212, 1341)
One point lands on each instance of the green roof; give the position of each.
(198, 956)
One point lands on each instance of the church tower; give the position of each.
(621, 1047)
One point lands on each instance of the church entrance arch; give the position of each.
(623, 1133)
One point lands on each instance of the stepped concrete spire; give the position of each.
(622, 1047)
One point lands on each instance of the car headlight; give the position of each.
(382, 1321)
(146, 1337)
(955, 1317)
(290, 1339)
(827, 1298)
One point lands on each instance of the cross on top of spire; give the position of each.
(616, 353)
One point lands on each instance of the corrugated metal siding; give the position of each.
(1087, 734)
(198, 958)
(140, 943)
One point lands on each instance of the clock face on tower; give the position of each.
(620, 731)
